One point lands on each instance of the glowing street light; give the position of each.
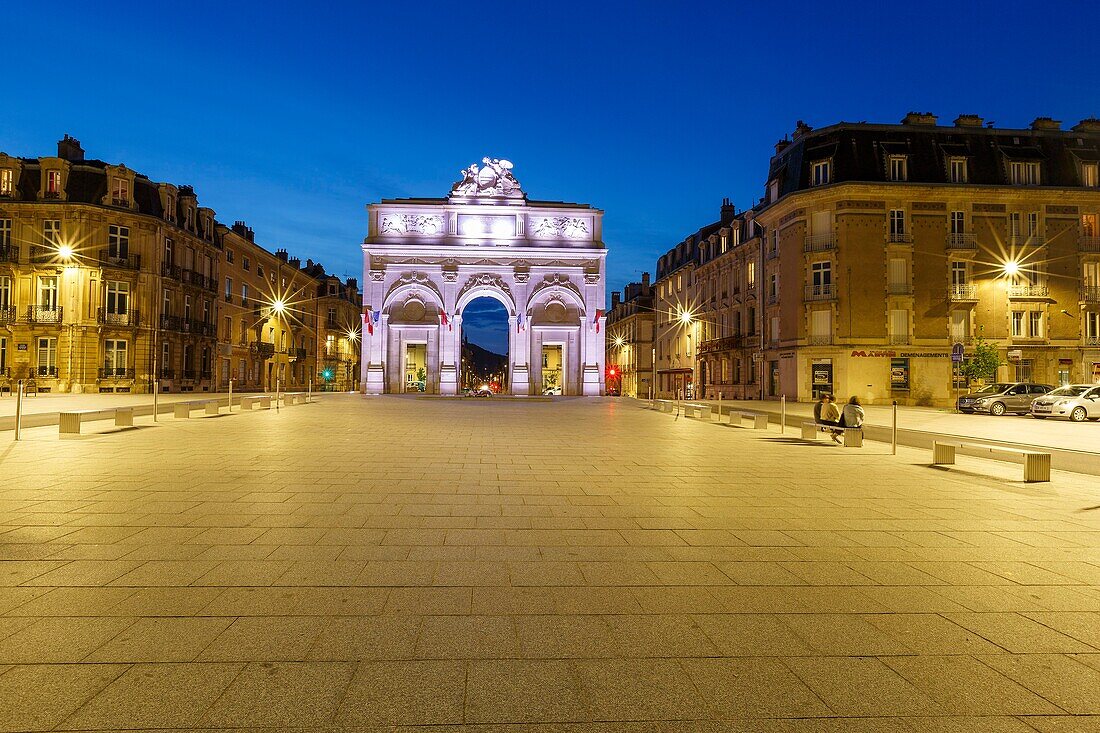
(64, 251)
(685, 317)
(619, 341)
(1011, 268)
(278, 306)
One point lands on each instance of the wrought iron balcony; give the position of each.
(1090, 293)
(961, 241)
(962, 292)
(51, 195)
(126, 261)
(1089, 244)
(819, 242)
(7, 314)
(191, 374)
(9, 253)
(167, 373)
(720, 344)
(899, 238)
(898, 339)
(771, 253)
(1028, 291)
(297, 354)
(262, 349)
(819, 340)
(825, 291)
(772, 298)
(1092, 340)
(44, 314)
(115, 201)
(170, 323)
(169, 270)
(44, 255)
(899, 288)
(116, 373)
(129, 318)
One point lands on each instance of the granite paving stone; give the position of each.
(565, 566)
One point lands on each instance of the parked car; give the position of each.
(1002, 397)
(1077, 402)
(552, 391)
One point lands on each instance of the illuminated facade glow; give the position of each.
(425, 260)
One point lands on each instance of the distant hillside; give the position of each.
(482, 362)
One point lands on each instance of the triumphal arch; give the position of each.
(426, 259)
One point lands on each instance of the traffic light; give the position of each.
(326, 374)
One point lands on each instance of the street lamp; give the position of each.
(1011, 268)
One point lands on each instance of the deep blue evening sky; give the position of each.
(292, 116)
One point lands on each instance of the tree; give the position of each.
(983, 363)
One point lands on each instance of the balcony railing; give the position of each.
(899, 238)
(116, 373)
(720, 344)
(899, 288)
(43, 255)
(50, 195)
(116, 201)
(123, 261)
(262, 349)
(1089, 244)
(772, 298)
(7, 314)
(961, 241)
(898, 339)
(819, 340)
(963, 292)
(44, 314)
(820, 292)
(1028, 291)
(170, 323)
(191, 374)
(169, 270)
(1092, 340)
(819, 242)
(9, 253)
(1026, 240)
(960, 339)
(297, 354)
(129, 318)
(1090, 293)
(771, 253)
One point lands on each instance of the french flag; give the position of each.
(521, 321)
(371, 319)
(596, 320)
(445, 321)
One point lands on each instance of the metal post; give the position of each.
(783, 414)
(276, 394)
(309, 392)
(156, 391)
(719, 407)
(19, 410)
(231, 395)
(894, 432)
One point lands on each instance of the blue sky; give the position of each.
(293, 116)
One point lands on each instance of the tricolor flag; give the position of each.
(596, 320)
(445, 321)
(370, 319)
(521, 320)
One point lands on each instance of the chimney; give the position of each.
(800, 129)
(244, 231)
(69, 148)
(728, 210)
(782, 145)
(281, 254)
(353, 283)
(645, 281)
(1089, 124)
(615, 300)
(919, 118)
(1046, 123)
(968, 121)
(295, 263)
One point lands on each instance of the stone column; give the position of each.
(518, 375)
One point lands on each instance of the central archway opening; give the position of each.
(485, 336)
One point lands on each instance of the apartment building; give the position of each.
(885, 245)
(110, 282)
(630, 339)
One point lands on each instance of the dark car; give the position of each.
(1003, 397)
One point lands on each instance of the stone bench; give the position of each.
(69, 422)
(184, 409)
(250, 402)
(853, 437)
(697, 409)
(295, 398)
(1036, 463)
(663, 405)
(759, 420)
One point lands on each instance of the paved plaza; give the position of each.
(571, 565)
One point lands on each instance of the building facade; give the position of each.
(885, 245)
(110, 282)
(631, 327)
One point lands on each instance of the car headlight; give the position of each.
(980, 401)
(1062, 402)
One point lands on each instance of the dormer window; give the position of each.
(957, 171)
(773, 191)
(821, 172)
(1090, 175)
(207, 231)
(53, 184)
(189, 218)
(6, 181)
(170, 209)
(897, 168)
(1023, 172)
(120, 192)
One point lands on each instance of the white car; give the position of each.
(1076, 402)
